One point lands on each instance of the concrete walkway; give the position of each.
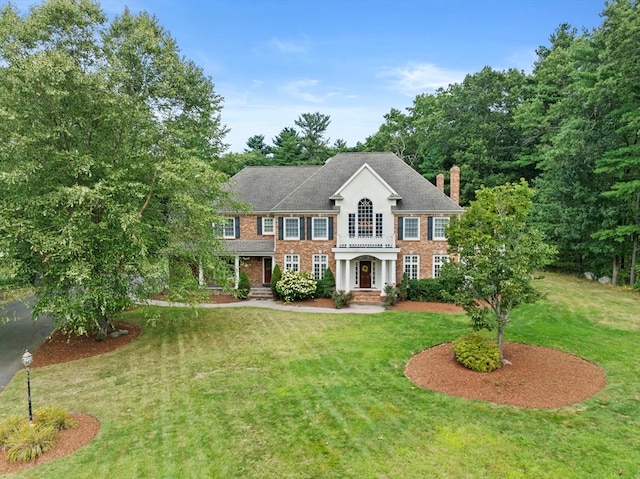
(19, 332)
(271, 304)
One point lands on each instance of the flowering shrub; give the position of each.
(294, 285)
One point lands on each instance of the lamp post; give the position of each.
(27, 359)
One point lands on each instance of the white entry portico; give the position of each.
(365, 269)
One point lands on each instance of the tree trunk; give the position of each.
(614, 272)
(502, 324)
(104, 328)
(501, 342)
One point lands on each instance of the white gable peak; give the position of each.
(366, 173)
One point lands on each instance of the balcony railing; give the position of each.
(385, 241)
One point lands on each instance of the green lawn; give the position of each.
(257, 393)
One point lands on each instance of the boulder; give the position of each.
(590, 276)
(605, 280)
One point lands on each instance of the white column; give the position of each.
(347, 276)
(393, 271)
(383, 276)
(237, 271)
(338, 278)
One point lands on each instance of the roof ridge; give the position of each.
(274, 207)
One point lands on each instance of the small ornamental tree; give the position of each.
(498, 254)
(276, 274)
(244, 286)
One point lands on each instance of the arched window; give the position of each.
(365, 218)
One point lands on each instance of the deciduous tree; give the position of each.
(109, 141)
(498, 254)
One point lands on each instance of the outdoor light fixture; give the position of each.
(27, 359)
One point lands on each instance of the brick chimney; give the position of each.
(440, 182)
(454, 193)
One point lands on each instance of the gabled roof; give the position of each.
(280, 189)
(366, 166)
(263, 187)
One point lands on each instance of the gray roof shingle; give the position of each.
(308, 188)
(250, 246)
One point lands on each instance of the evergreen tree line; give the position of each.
(571, 128)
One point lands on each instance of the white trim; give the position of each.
(273, 225)
(319, 260)
(292, 262)
(437, 261)
(313, 228)
(404, 228)
(392, 192)
(413, 261)
(284, 227)
(445, 222)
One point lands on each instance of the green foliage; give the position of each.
(276, 275)
(110, 144)
(9, 425)
(476, 353)
(267, 369)
(25, 442)
(244, 286)
(391, 295)
(53, 416)
(295, 286)
(498, 255)
(326, 284)
(341, 298)
(29, 442)
(403, 288)
(313, 142)
(426, 289)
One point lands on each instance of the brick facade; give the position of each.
(363, 195)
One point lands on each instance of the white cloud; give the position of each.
(288, 47)
(301, 90)
(417, 78)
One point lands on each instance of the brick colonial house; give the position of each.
(368, 217)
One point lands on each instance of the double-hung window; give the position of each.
(267, 225)
(229, 228)
(412, 266)
(292, 228)
(320, 264)
(439, 226)
(320, 229)
(292, 262)
(411, 228)
(438, 261)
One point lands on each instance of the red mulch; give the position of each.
(538, 378)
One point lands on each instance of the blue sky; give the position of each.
(351, 59)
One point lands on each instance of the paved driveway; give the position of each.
(17, 334)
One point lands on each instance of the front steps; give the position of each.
(260, 293)
(367, 296)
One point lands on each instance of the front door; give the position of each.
(266, 268)
(365, 274)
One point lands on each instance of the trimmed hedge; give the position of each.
(426, 290)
